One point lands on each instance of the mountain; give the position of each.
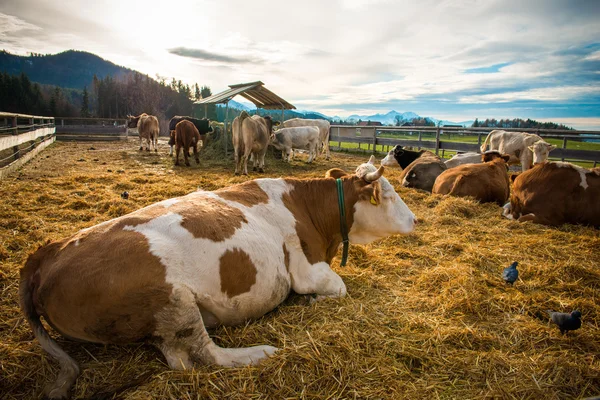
(69, 69)
(238, 105)
(390, 118)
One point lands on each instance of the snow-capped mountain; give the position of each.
(391, 117)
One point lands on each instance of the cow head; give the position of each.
(540, 151)
(379, 211)
(390, 159)
(270, 124)
(491, 155)
(132, 121)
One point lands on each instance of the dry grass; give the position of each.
(427, 315)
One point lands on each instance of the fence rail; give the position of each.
(439, 140)
(90, 129)
(22, 136)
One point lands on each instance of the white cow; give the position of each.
(169, 271)
(301, 137)
(524, 148)
(323, 126)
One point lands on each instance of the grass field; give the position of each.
(427, 315)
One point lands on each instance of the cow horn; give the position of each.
(373, 176)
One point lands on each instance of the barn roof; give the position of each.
(255, 92)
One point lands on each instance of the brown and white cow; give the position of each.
(487, 182)
(323, 125)
(148, 129)
(422, 172)
(250, 138)
(555, 193)
(186, 136)
(168, 271)
(523, 148)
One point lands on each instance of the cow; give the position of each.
(301, 137)
(186, 136)
(203, 126)
(167, 272)
(251, 137)
(148, 129)
(556, 193)
(422, 173)
(323, 126)
(463, 158)
(399, 156)
(524, 148)
(486, 182)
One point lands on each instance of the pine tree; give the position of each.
(85, 110)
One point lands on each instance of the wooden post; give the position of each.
(437, 141)
(479, 139)
(419, 140)
(206, 111)
(564, 146)
(225, 133)
(374, 140)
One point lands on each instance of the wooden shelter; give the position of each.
(255, 92)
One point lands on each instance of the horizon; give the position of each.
(449, 60)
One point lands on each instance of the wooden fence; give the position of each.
(21, 138)
(91, 129)
(439, 139)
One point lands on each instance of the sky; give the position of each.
(454, 60)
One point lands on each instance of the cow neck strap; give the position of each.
(343, 226)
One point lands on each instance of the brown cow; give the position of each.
(487, 182)
(186, 136)
(251, 137)
(148, 129)
(167, 272)
(422, 172)
(555, 193)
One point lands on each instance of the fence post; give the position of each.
(437, 141)
(419, 141)
(479, 139)
(374, 140)
(564, 146)
(13, 124)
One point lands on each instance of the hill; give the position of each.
(69, 69)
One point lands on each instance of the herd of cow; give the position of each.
(251, 137)
(167, 272)
(550, 193)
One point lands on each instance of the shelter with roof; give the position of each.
(256, 92)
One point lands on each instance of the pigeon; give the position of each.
(125, 195)
(511, 274)
(565, 321)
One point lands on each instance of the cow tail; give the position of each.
(243, 116)
(487, 139)
(69, 370)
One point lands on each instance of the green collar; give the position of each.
(343, 227)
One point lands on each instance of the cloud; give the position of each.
(208, 56)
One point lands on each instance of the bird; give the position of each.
(511, 274)
(125, 195)
(565, 321)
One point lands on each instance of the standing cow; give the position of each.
(555, 193)
(203, 126)
(169, 271)
(148, 129)
(323, 126)
(251, 137)
(186, 136)
(302, 137)
(523, 148)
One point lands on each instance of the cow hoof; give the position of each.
(236, 173)
(197, 161)
(254, 169)
(187, 164)
(156, 150)
(141, 148)
(262, 171)
(147, 149)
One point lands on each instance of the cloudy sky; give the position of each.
(453, 59)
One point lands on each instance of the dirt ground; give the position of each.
(427, 315)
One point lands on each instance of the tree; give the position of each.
(476, 123)
(85, 110)
(197, 94)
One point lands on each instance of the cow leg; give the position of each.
(261, 160)
(148, 143)
(141, 143)
(156, 144)
(177, 148)
(171, 151)
(196, 153)
(237, 160)
(186, 152)
(182, 337)
(245, 163)
(319, 279)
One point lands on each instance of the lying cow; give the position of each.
(203, 126)
(186, 136)
(523, 148)
(251, 137)
(555, 193)
(169, 271)
(323, 125)
(148, 129)
(463, 158)
(402, 157)
(302, 137)
(487, 182)
(422, 173)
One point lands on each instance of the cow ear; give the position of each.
(372, 160)
(513, 177)
(505, 157)
(335, 173)
(551, 147)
